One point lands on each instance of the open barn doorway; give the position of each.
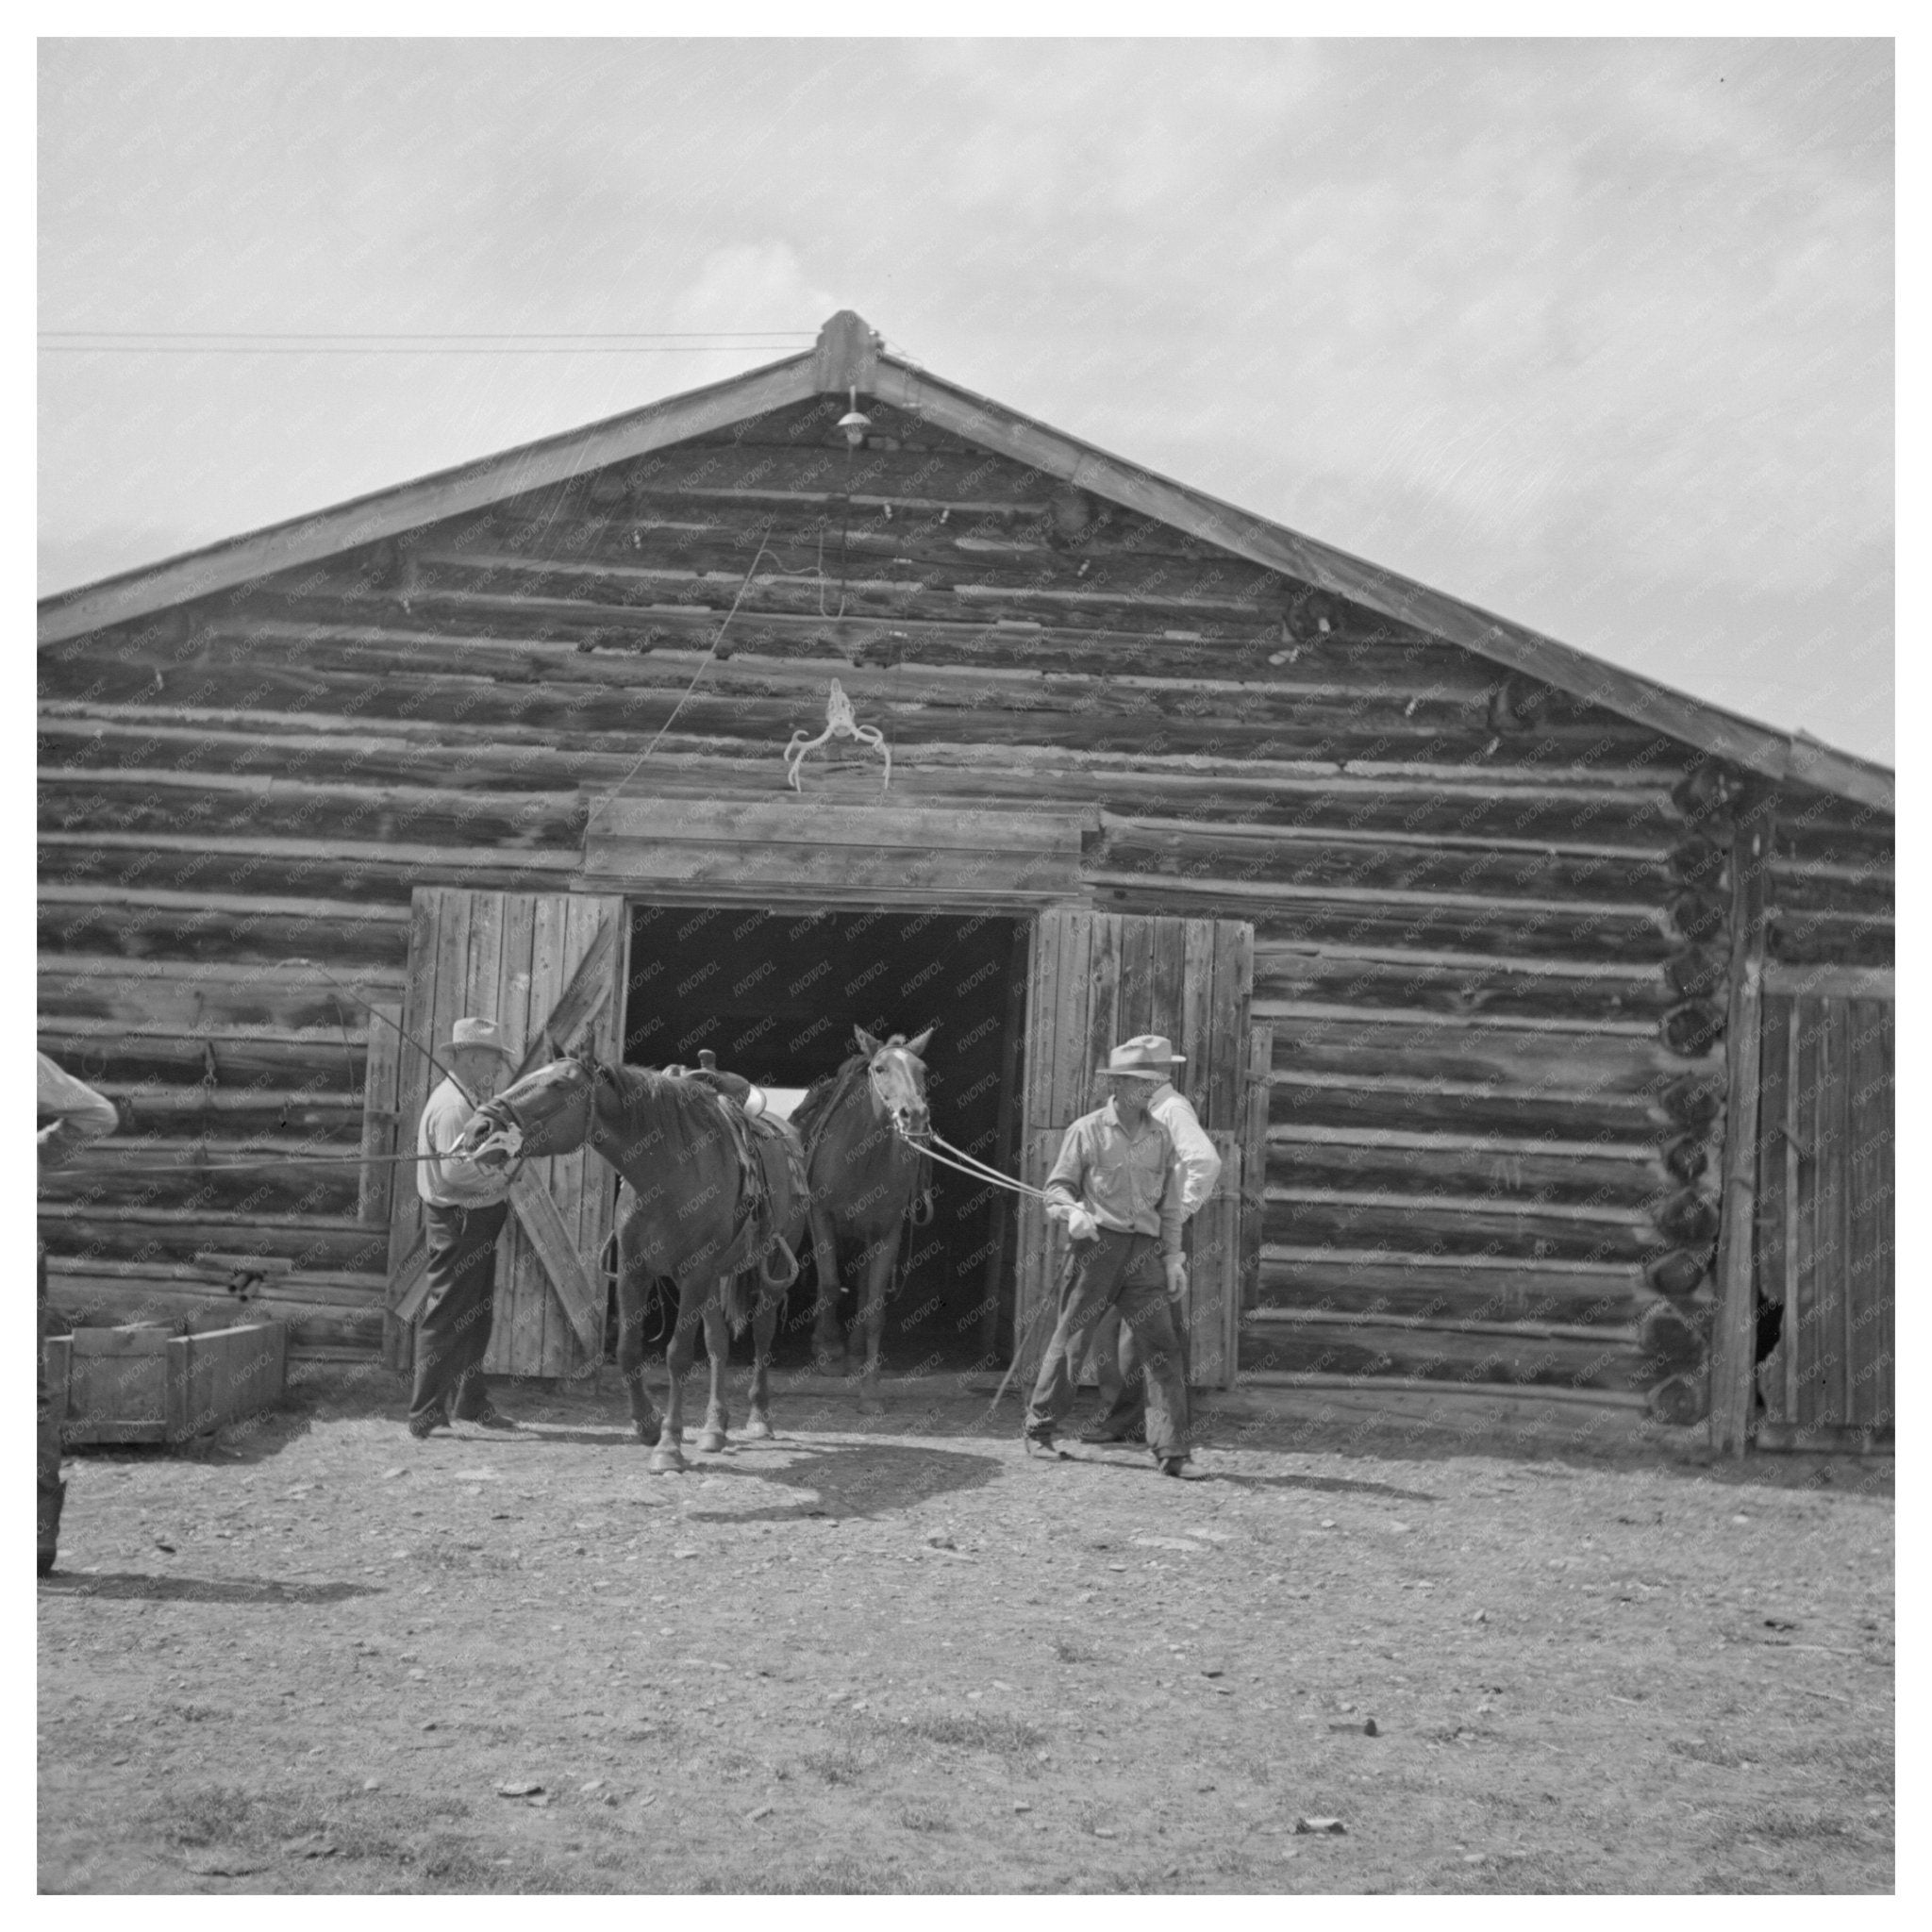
(775, 996)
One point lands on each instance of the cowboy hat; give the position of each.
(467, 1034)
(1147, 1057)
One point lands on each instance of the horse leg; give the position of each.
(764, 1324)
(826, 1343)
(631, 1286)
(668, 1457)
(878, 1275)
(718, 1347)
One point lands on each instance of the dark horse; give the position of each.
(688, 1215)
(861, 1128)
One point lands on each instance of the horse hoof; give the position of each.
(648, 1435)
(667, 1458)
(710, 1441)
(759, 1429)
(871, 1404)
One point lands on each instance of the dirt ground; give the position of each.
(894, 1655)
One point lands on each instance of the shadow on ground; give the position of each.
(125, 1585)
(867, 1479)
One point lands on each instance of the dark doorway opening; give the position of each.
(775, 996)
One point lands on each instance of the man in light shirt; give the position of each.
(464, 1207)
(1117, 1187)
(1113, 1353)
(69, 1114)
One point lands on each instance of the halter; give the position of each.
(895, 1112)
(507, 1126)
(922, 1208)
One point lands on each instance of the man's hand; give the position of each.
(1177, 1267)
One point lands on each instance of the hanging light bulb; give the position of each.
(854, 426)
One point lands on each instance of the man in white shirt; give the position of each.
(1117, 1187)
(464, 1207)
(1114, 1355)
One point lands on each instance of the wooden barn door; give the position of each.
(549, 969)
(1822, 1247)
(1097, 978)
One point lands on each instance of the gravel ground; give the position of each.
(891, 1654)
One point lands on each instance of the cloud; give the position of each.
(750, 285)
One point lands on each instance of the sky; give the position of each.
(1595, 334)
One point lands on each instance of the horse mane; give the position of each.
(646, 1098)
(824, 1095)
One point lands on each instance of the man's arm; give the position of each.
(444, 1121)
(1173, 1263)
(1170, 1218)
(1193, 1153)
(1068, 1174)
(83, 1115)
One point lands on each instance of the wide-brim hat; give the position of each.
(469, 1034)
(1147, 1057)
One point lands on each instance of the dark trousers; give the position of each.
(1121, 1375)
(1120, 1271)
(49, 1490)
(453, 1334)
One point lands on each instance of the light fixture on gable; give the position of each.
(854, 426)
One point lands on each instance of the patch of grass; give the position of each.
(197, 1713)
(923, 1818)
(1796, 1825)
(1716, 1750)
(1071, 1653)
(1869, 1763)
(833, 1767)
(226, 1815)
(978, 1732)
(847, 1875)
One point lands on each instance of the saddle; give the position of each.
(771, 1156)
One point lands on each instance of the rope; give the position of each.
(192, 1166)
(610, 797)
(975, 1169)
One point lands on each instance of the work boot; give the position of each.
(488, 1418)
(423, 1426)
(1178, 1467)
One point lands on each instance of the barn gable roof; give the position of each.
(849, 357)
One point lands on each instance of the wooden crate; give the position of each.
(147, 1385)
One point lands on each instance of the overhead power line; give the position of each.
(235, 349)
(417, 343)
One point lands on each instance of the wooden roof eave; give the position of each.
(1772, 753)
(442, 493)
(848, 357)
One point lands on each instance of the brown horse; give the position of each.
(861, 1128)
(687, 1217)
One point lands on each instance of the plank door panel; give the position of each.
(1825, 1221)
(1096, 979)
(549, 969)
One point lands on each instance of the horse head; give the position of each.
(548, 1112)
(896, 1075)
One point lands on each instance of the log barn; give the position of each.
(1541, 1013)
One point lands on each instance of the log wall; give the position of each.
(1489, 918)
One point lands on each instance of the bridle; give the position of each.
(510, 1126)
(897, 1112)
